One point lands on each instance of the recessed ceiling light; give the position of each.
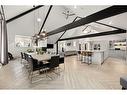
(39, 19)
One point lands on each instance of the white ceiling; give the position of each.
(86, 10)
(118, 21)
(56, 19)
(13, 10)
(94, 28)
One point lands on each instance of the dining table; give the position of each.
(41, 57)
(45, 57)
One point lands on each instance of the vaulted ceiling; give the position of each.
(57, 19)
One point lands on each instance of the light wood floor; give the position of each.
(77, 75)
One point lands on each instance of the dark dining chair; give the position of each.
(25, 57)
(33, 66)
(22, 57)
(61, 61)
(54, 64)
(10, 56)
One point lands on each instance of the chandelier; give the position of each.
(41, 36)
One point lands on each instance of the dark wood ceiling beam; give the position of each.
(108, 25)
(108, 12)
(65, 30)
(96, 35)
(45, 18)
(24, 13)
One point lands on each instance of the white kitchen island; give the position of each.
(97, 57)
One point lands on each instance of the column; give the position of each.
(3, 43)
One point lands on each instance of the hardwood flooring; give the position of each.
(76, 75)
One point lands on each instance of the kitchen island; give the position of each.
(97, 56)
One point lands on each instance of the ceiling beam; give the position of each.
(96, 35)
(45, 18)
(65, 30)
(108, 25)
(108, 12)
(24, 13)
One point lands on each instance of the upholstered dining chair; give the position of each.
(53, 64)
(38, 67)
(33, 66)
(22, 57)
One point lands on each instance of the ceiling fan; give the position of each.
(67, 13)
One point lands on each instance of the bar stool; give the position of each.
(79, 55)
(86, 56)
(83, 56)
(89, 58)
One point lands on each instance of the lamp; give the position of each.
(41, 36)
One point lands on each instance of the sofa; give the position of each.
(69, 53)
(123, 82)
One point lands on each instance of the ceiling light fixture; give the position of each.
(38, 19)
(43, 34)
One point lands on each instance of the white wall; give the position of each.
(22, 26)
(72, 47)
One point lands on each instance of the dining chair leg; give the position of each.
(57, 73)
(22, 61)
(48, 75)
(64, 66)
(45, 71)
(31, 76)
(59, 69)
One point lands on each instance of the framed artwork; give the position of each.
(23, 41)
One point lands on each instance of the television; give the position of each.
(44, 49)
(49, 45)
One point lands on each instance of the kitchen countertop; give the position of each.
(95, 50)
